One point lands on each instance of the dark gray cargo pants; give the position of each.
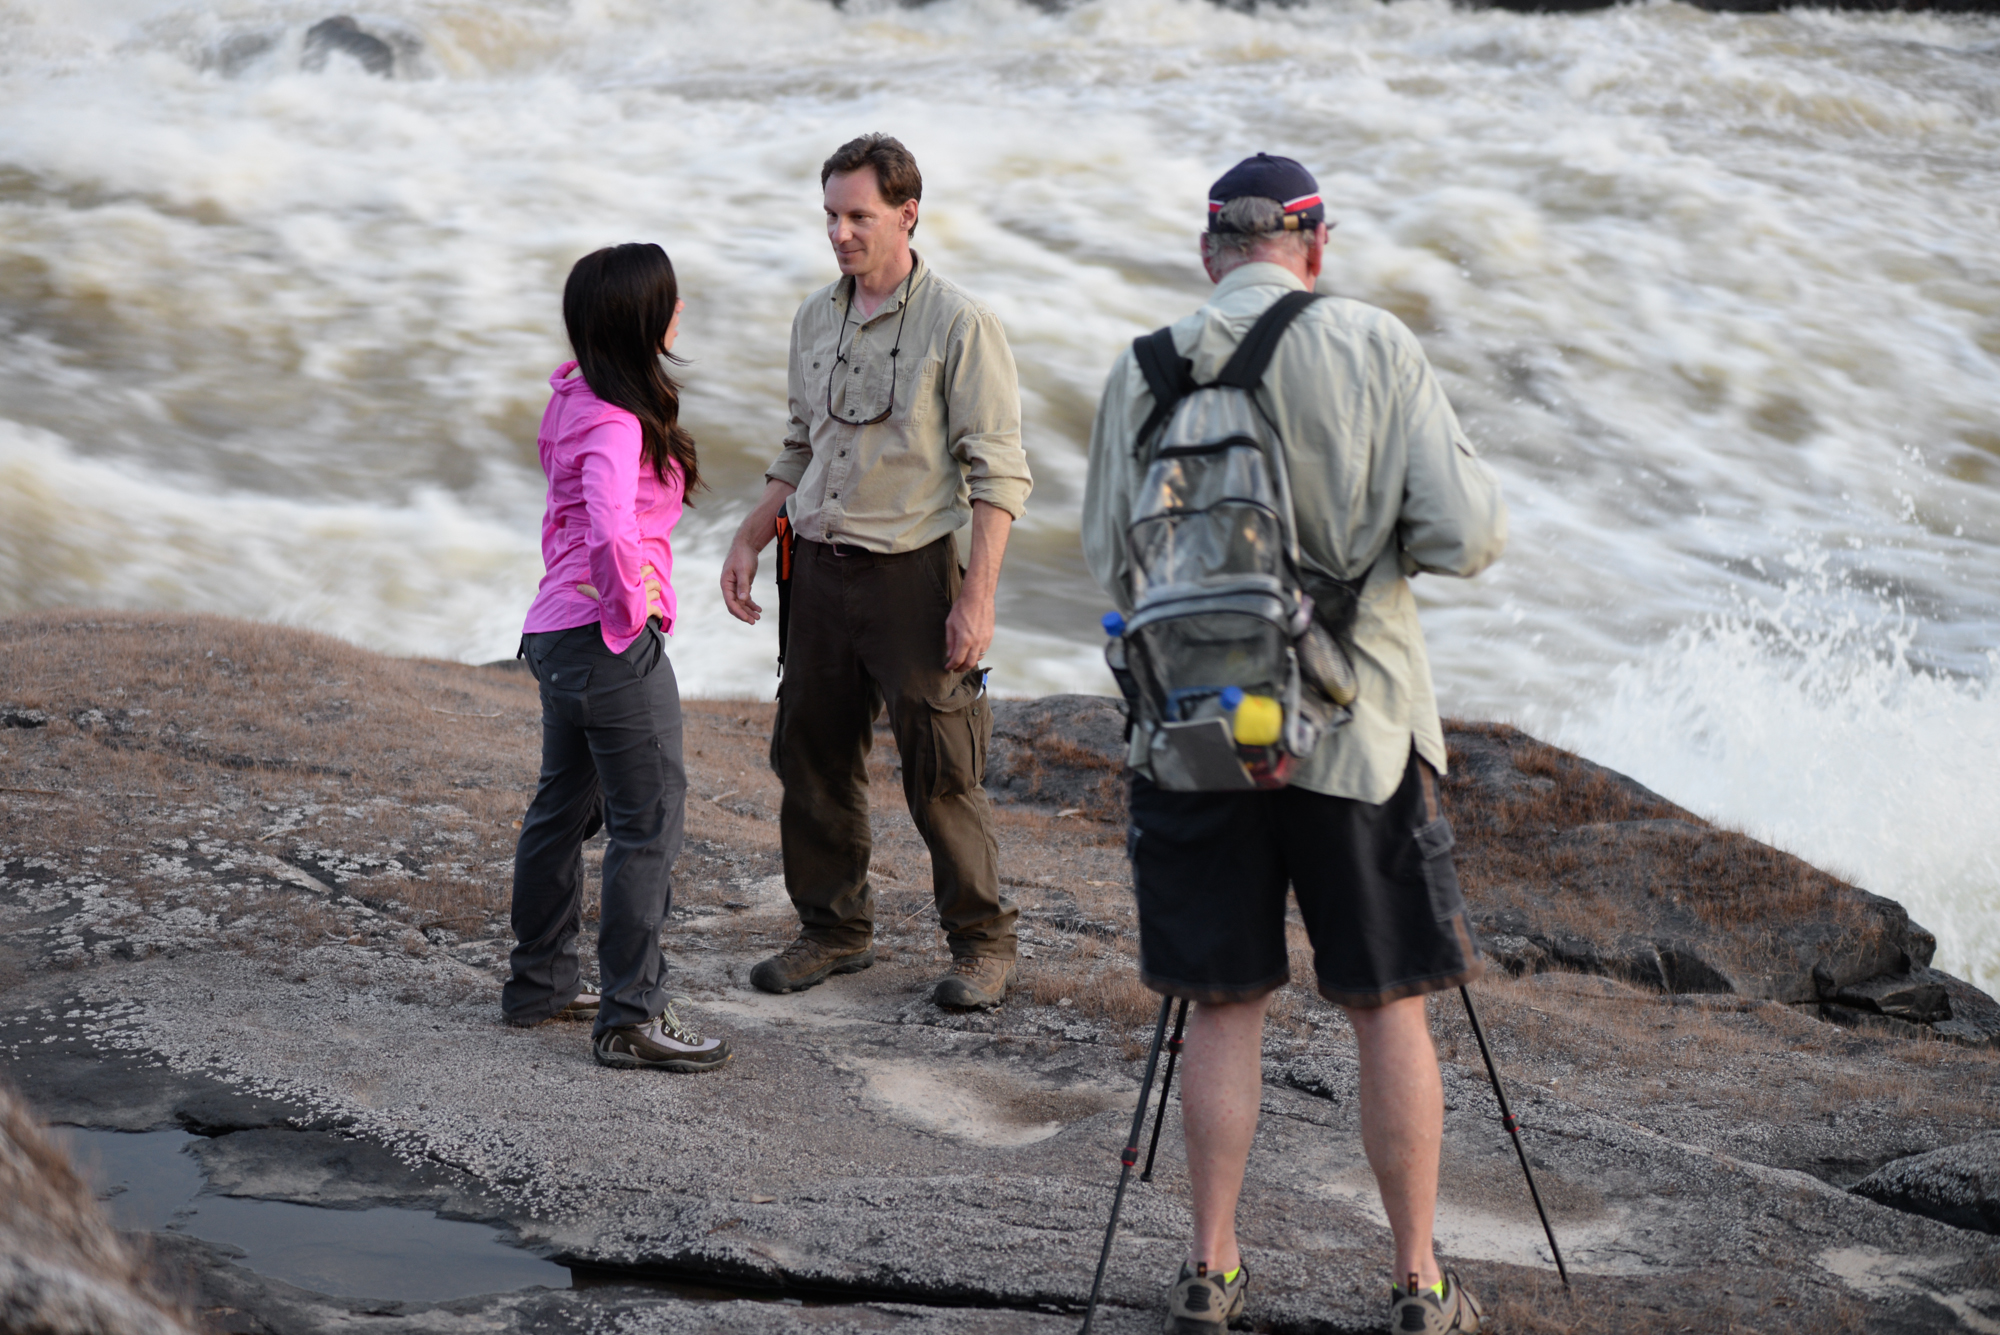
(868, 629)
(611, 759)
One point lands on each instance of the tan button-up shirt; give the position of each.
(1383, 481)
(953, 438)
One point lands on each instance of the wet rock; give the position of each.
(342, 35)
(73, 1076)
(1975, 1017)
(1571, 866)
(1574, 867)
(600, 1300)
(220, 1110)
(1959, 1185)
(1904, 996)
(236, 53)
(321, 1168)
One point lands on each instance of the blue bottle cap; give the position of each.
(1113, 624)
(1232, 696)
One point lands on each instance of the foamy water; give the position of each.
(1718, 296)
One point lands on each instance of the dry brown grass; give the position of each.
(203, 727)
(1096, 982)
(62, 1267)
(1034, 764)
(1616, 1048)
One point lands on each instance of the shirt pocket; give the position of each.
(926, 399)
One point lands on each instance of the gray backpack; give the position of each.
(1230, 667)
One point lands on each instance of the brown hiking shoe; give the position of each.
(1420, 1311)
(584, 1007)
(976, 982)
(806, 963)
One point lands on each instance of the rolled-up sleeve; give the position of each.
(608, 459)
(791, 462)
(1453, 521)
(982, 395)
(1108, 486)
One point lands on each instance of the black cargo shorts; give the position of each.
(1375, 886)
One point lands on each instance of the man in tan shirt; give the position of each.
(1384, 484)
(905, 427)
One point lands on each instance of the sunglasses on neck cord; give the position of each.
(840, 357)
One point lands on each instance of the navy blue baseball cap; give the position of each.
(1269, 177)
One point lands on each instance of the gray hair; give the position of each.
(1246, 226)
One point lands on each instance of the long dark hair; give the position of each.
(617, 305)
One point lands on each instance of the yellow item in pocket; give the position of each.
(1259, 721)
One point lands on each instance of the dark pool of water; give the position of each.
(148, 1181)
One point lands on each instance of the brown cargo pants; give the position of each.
(868, 629)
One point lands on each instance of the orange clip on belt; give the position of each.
(784, 548)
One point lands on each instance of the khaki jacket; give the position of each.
(954, 437)
(1383, 481)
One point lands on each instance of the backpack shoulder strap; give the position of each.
(1168, 374)
(1246, 367)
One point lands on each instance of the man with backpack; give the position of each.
(1265, 476)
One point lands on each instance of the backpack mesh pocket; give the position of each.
(1207, 513)
(1184, 659)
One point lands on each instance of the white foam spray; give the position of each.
(1800, 718)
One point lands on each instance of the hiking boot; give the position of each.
(1421, 1311)
(807, 963)
(976, 982)
(1200, 1303)
(663, 1043)
(582, 1007)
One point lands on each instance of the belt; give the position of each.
(848, 549)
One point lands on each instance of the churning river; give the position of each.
(1718, 296)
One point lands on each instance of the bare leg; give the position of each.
(1220, 1093)
(1402, 1126)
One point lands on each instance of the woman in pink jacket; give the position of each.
(619, 465)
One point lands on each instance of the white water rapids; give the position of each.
(1718, 296)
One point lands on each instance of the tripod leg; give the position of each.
(1513, 1129)
(1166, 1088)
(1127, 1158)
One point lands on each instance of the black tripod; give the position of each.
(1130, 1154)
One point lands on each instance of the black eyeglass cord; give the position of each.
(840, 357)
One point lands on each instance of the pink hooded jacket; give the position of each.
(605, 530)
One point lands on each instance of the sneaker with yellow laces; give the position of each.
(1435, 1309)
(1202, 1303)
